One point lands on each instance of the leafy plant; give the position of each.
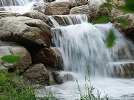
(128, 7)
(11, 58)
(102, 19)
(110, 39)
(107, 5)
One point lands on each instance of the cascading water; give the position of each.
(68, 20)
(84, 53)
(83, 47)
(19, 6)
(13, 2)
(16, 6)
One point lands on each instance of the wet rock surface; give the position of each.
(61, 77)
(124, 70)
(65, 20)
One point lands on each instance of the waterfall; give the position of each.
(84, 53)
(18, 6)
(13, 3)
(83, 47)
(68, 20)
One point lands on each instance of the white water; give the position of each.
(83, 47)
(13, 2)
(20, 6)
(115, 89)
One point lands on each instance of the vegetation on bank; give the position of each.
(12, 86)
(12, 89)
(89, 92)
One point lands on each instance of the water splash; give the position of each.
(83, 47)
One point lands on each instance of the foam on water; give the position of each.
(115, 89)
(83, 47)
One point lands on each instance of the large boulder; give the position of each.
(10, 48)
(93, 9)
(38, 15)
(58, 8)
(8, 14)
(38, 74)
(25, 30)
(50, 57)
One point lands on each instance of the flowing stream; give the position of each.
(84, 53)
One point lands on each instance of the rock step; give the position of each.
(64, 20)
(123, 69)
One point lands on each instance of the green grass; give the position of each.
(89, 92)
(12, 89)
